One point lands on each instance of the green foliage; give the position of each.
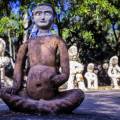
(90, 24)
(88, 37)
(10, 24)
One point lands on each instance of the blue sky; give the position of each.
(15, 6)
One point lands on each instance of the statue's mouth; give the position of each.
(43, 21)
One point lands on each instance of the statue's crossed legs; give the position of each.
(64, 102)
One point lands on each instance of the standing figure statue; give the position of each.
(26, 26)
(114, 71)
(41, 94)
(80, 78)
(74, 66)
(4, 61)
(91, 77)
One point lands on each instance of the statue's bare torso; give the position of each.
(42, 50)
(42, 56)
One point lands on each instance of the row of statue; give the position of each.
(41, 93)
(77, 79)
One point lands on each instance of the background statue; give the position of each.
(91, 77)
(4, 61)
(41, 93)
(104, 79)
(114, 71)
(80, 78)
(74, 66)
(26, 26)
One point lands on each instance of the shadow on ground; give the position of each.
(75, 116)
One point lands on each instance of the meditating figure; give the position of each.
(4, 61)
(41, 94)
(91, 77)
(114, 71)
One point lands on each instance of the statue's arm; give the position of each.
(110, 72)
(86, 76)
(18, 66)
(64, 64)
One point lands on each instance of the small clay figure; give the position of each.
(114, 71)
(4, 61)
(75, 68)
(80, 78)
(91, 77)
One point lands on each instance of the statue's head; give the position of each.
(90, 67)
(114, 60)
(73, 52)
(43, 16)
(79, 68)
(2, 46)
(105, 66)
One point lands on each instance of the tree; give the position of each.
(87, 23)
(12, 28)
(92, 25)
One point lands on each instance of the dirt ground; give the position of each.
(98, 105)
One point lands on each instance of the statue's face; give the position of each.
(115, 61)
(90, 68)
(105, 66)
(43, 16)
(73, 51)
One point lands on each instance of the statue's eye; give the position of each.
(48, 13)
(38, 13)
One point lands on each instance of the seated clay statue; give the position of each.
(114, 71)
(91, 77)
(4, 61)
(41, 94)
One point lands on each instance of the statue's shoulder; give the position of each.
(55, 37)
(59, 39)
(24, 45)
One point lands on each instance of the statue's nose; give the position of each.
(42, 16)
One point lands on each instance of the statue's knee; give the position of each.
(79, 94)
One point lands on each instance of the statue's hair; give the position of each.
(3, 42)
(45, 4)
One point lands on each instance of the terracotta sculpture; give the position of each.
(91, 77)
(114, 71)
(41, 94)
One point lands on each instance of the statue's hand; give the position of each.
(58, 80)
(54, 80)
(12, 90)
